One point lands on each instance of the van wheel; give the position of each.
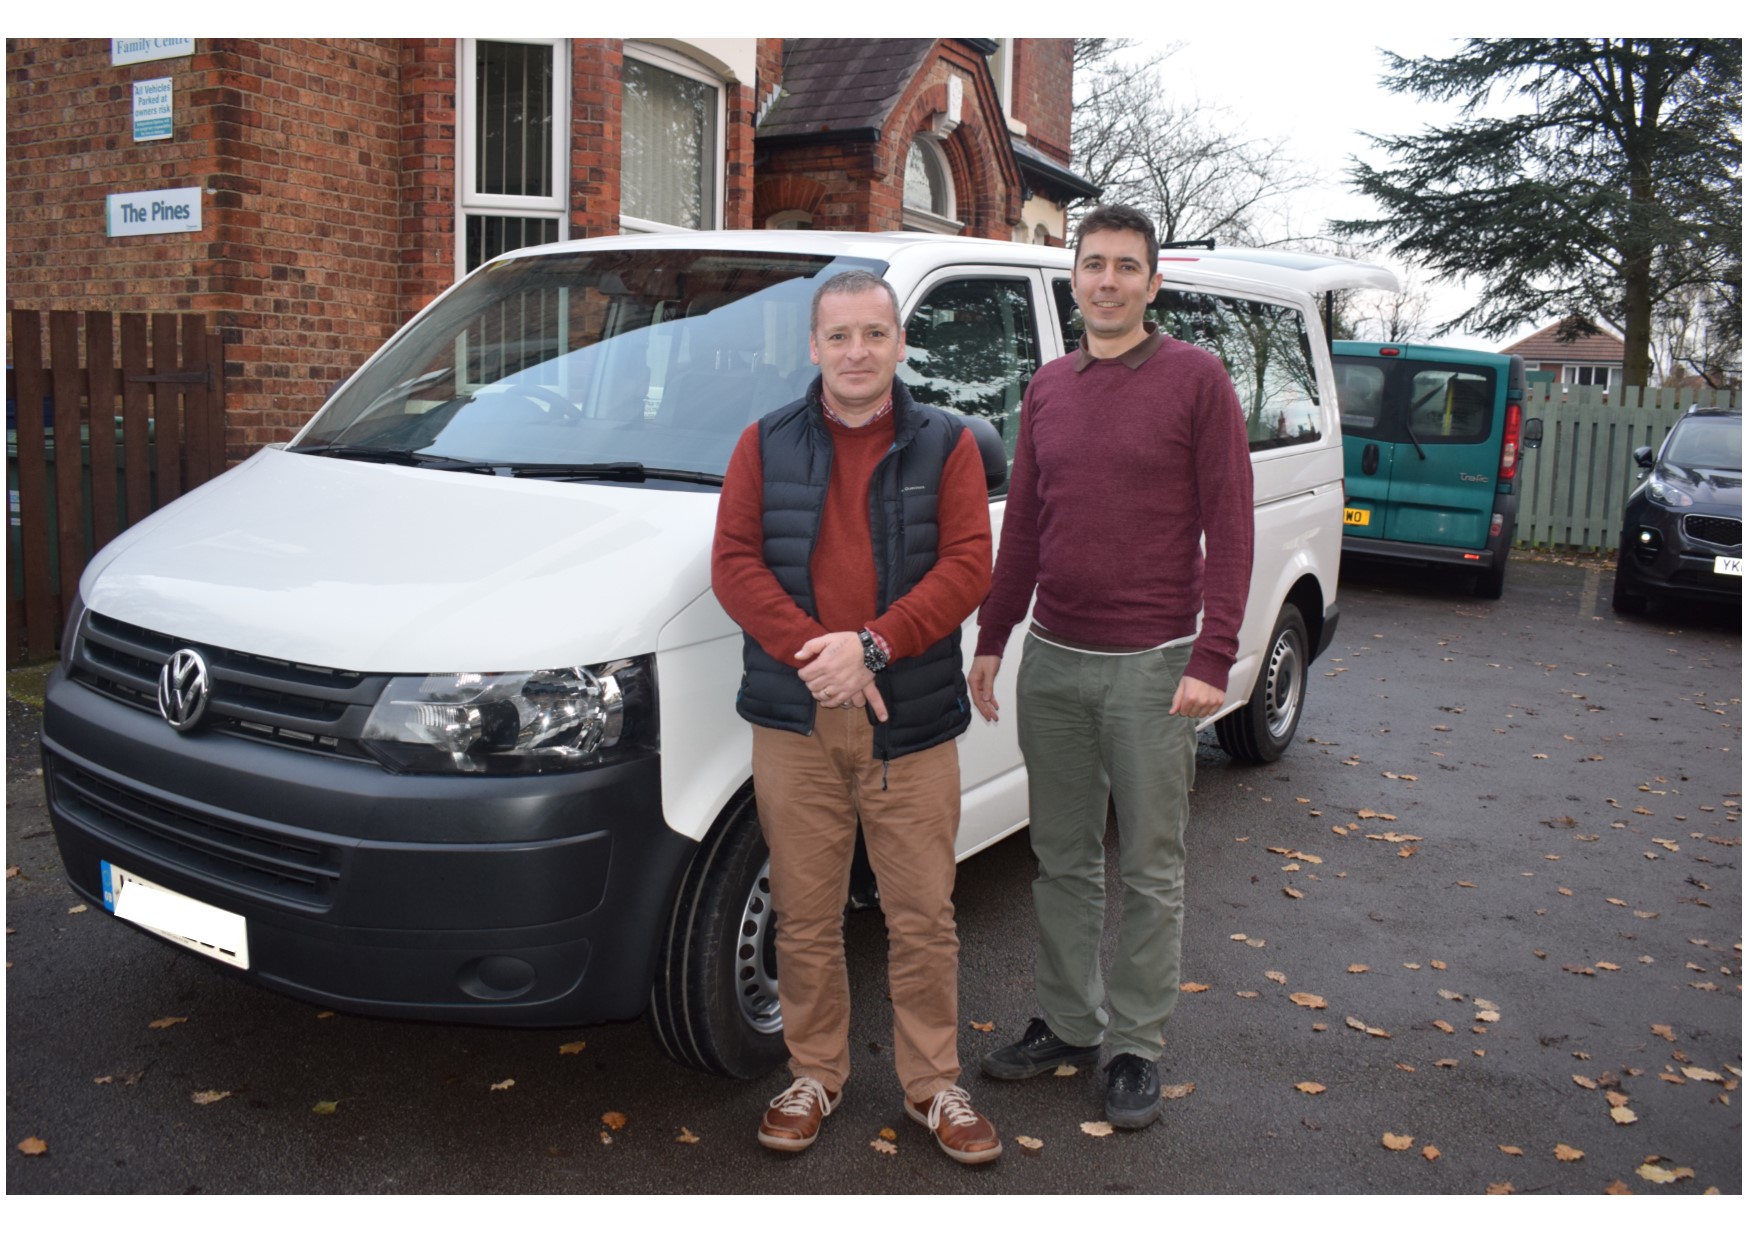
(1489, 583)
(715, 1000)
(1263, 728)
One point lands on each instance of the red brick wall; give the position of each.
(596, 138)
(295, 144)
(1042, 99)
(428, 153)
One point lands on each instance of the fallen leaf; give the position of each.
(1664, 1175)
(1515, 1151)
(1411, 964)
(1248, 994)
(1194, 988)
(1066, 1069)
(1406, 1067)
(1408, 850)
(1294, 893)
(1564, 1153)
(1238, 938)
(1616, 1098)
(1438, 964)
(1564, 891)
(165, 1022)
(30, 1147)
(1311, 1087)
(1097, 1128)
(1319, 1027)
(203, 1097)
(1391, 1141)
(888, 1134)
(12, 872)
(1608, 966)
(1358, 968)
(571, 1048)
(615, 1121)
(324, 1015)
(1623, 1115)
(1273, 975)
(1665, 1032)
(1451, 995)
(1488, 1016)
(1352, 1022)
(1178, 1091)
(686, 1137)
(1618, 1189)
(1256, 942)
(510, 1081)
(1671, 1078)
(1584, 1081)
(325, 1108)
(1444, 1025)
(1700, 1074)
(1638, 912)
(78, 908)
(605, 1138)
(1029, 1143)
(1431, 1153)
(1304, 999)
(882, 1146)
(1444, 1063)
(1463, 883)
(985, 1026)
(1616, 902)
(1503, 1189)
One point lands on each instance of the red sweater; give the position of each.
(843, 570)
(1120, 467)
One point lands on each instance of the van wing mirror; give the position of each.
(1532, 433)
(992, 445)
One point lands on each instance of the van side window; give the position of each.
(1264, 348)
(1361, 383)
(971, 347)
(1262, 345)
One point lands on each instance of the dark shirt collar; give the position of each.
(1132, 359)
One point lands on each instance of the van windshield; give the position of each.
(649, 358)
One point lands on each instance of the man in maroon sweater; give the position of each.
(853, 539)
(1130, 450)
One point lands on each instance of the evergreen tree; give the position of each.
(1585, 177)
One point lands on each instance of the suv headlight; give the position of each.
(1669, 495)
(515, 723)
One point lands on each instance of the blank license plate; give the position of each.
(1728, 565)
(197, 926)
(1357, 516)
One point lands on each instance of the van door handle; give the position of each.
(1370, 458)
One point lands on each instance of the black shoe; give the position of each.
(1038, 1051)
(1134, 1094)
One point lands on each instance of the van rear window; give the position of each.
(1402, 400)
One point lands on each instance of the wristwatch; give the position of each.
(875, 658)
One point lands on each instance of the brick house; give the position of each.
(341, 184)
(1593, 358)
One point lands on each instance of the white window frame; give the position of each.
(664, 58)
(927, 221)
(1002, 64)
(524, 206)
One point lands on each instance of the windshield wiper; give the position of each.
(397, 456)
(609, 471)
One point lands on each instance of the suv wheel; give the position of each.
(715, 1000)
(1263, 728)
(1628, 599)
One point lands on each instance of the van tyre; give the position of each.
(1489, 583)
(715, 998)
(1262, 729)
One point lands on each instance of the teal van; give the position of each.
(1434, 441)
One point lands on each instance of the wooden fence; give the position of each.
(127, 414)
(1576, 482)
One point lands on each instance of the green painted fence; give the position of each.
(1576, 482)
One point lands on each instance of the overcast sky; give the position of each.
(1324, 113)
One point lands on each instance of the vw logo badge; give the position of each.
(183, 687)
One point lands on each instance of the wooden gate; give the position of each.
(127, 414)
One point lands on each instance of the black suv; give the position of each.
(1681, 535)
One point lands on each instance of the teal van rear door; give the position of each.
(1422, 443)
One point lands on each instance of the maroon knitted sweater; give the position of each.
(1121, 464)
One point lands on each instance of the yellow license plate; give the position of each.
(1357, 516)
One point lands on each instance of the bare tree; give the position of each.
(1184, 164)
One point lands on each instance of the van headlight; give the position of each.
(515, 723)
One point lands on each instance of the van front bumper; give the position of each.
(507, 900)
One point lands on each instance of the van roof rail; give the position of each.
(1204, 243)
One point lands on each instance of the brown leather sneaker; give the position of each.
(795, 1117)
(962, 1132)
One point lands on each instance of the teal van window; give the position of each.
(1450, 404)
